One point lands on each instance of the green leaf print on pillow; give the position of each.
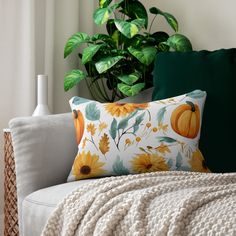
(160, 115)
(91, 112)
(113, 128)
(118, 167)
(138, 121)
(124, 122)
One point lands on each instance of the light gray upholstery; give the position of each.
(37, 207)
(44, 150)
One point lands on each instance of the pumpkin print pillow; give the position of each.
(128, 138)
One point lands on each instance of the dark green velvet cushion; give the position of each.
(177, 73)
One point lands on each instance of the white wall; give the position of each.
(210, 24)
(24, 53)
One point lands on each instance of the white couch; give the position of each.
(44, 150)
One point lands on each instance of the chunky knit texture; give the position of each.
(163, 203)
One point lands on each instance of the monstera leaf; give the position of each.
(104, 3)
(179, 43)
(169, 18)
(129, 79)
(131, 90)
(106, 63)
(144, 55)
(129, 29)
(101, 15)
(135, 10)
(89, 52)
(75, 41)
(73, 78)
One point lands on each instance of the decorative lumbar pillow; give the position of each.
(177, 73)
(128, 138)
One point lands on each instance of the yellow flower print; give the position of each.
(198, 163)
(87, 165)
(102, 126)
(138, 139)
(123, 109)
(91, 128)
(163, 149)
(84, 142)
(163, 127)
(146, 162)
(155, 129)
(128, 142)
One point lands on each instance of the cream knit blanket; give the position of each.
(163, 203)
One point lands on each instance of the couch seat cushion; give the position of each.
(38, 206)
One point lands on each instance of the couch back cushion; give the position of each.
(214, 72)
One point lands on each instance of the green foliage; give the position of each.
(169, 18)
(89, 52)
(145, 55)
(131, 90)
(120, 63)
(105, 64)
(129, 29)
(179, 43)
(75, 41)
(101, 15)
(129, 79)
(73, 78)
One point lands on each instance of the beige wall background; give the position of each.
(210, 24)
(32, 38)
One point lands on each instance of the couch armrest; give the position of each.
(44, 150)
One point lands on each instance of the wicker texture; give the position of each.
(11, 227)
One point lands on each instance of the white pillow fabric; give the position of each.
(129, 138)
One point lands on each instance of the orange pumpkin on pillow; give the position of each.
(79, 125)
(185, 120)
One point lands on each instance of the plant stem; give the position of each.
(100, 91)
(151, 24)
(94, 142)
(104, 88)
(92, 92)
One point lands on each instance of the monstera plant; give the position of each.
(120, 63)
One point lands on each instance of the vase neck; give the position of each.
(42, 90)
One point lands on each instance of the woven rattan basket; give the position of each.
(11, 227)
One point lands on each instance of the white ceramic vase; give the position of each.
(42, 96)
